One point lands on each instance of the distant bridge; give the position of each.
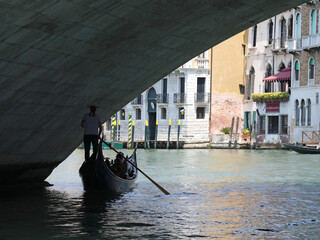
(58, 56)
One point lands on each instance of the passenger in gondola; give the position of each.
(120, 166)
(92, 130)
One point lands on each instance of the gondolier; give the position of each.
(91, 123)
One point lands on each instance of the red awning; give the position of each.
(284, 75)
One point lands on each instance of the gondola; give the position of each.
(97, 174)
(303, 149)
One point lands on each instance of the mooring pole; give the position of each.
(231, 131)
(145, 134)
(169, 129)
(236, 134)
(113, 131)
(178, 134)
(129, 144)
(132, 146)
(155, 135)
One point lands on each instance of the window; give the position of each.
(246, 121)
(200, 89)
(298, 27)
(200, 112)
(313, 18)
(311, 72)
(309, 113)
(297, 110)
(290, 30)
(262, 124)
(303, 113)
(273, 124)
(283, 33)
(296, 70)
(164, 90)
(163, 113)
(254, 36)
(138, 114)
(123, 114)
(267, 85)
(270, 32)
(181, 113)
(284, 124)
(250, 83)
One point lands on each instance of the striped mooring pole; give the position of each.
(129, 145)
(118, 132)
(133, 134)
(169, 130)
(155, 135)
(178, 134)
(113, 129)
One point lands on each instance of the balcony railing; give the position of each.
(311, 41)
(163, 98)
(294, 44)
(137, 100)
(179, 97)
(202, 97)
(202, 62)
(280, 43)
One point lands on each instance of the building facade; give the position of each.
(304, 46)
(264, 111)
(182, 97)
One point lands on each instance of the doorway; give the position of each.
(152, 112)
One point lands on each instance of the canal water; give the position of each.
(215, 194)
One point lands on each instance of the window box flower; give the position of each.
(271, 97)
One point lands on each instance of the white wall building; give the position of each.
(182, 95)
(267, 55)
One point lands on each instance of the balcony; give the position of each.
(163, 98)
(137, 101)
(311, 41)
(294, 44)
(179, 98)
(280, 44)
(202, 98)
(202, 62)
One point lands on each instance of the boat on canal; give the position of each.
(99, 173)
(303, 148)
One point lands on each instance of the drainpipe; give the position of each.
(273, 44)
(211, 80)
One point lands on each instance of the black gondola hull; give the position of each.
(96, 176)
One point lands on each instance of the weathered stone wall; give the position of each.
(223, 108)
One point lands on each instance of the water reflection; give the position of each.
(214, 194)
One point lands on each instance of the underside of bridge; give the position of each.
(59, 56)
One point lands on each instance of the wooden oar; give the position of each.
(161, 188)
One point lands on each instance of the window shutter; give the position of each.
(245, 125)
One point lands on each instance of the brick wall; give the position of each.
(222, 110)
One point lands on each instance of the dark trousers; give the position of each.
(87, 140)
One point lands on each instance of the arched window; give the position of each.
(283, 33)
(298, 26)
(290, 27)
(270, 32)
(313, 19)
(297, 110)
(267, 85)
(281, 66)
(309, 112)
(297, 71)
(250, 83)
(303, 113)
(311, 72)
(254, 36)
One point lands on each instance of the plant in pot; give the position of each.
(225, 130)
(246, 134)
